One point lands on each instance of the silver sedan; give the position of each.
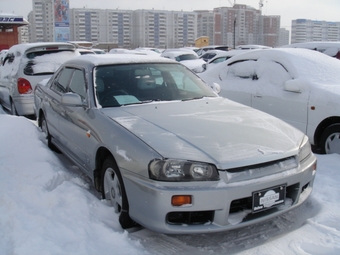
(166, 151)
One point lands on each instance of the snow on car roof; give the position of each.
(106, 59)
(299, 62)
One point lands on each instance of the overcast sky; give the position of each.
(288, 9)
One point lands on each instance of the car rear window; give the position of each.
(46, 62)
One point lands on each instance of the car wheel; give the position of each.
(330, 140)
(13, 110)
(44, 129)
(114, 192)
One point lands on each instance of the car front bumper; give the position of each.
(215, 205)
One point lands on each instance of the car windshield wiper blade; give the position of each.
(193, 98)
(142, 102)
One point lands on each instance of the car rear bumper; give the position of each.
(24, 104)
(216, 206)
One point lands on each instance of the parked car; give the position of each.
(210, 54)
(83, 51)
(331, 49)
(126, 51)
(186, 57)
(251, 47)
(299, 86)
(204, 49)
(221, 56)
(24, 66)
(159, 144)
(98, 51)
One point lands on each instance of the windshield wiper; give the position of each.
(193, 98)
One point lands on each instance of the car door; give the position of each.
(72, 125)
(271, 97)
(237, 82)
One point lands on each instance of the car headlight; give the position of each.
(305, 149)
(174, 170)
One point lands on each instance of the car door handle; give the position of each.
(258, 96)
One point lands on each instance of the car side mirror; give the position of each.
(216, 87)
(292, 86)
(72, 99)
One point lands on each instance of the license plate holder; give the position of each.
(269, 198)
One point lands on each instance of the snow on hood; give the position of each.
(211, 130)
(194, 64)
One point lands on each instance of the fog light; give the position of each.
(180, 200)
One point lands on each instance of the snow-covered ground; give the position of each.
(48, 207)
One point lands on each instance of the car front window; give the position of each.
(118, 85)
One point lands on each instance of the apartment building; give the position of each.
(41, 21)
(98, 26)
(284, 37)
(238, 25)
(53, 20)
(305, 30)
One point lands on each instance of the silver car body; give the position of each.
(252, 151)
(29, 63)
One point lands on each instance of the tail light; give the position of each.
(24, 86)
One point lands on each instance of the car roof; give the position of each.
(107, 59)
(299, 62)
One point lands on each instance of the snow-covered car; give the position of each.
(251, 47)
(221, 56)
(299, 86)
(331, 49)
(204, 49)
(83, 51)
(210, 54)
(166, 151)
(186, 57)
(24, 66)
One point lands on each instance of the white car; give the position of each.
(186, 57)
(329, 48)
(24, 66)
(299, 86)
(221, 56)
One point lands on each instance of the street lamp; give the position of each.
(235, 31)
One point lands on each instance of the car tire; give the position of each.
(330, 140)
(44, 129)
(113, 191)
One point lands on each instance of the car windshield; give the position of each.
(118, 85)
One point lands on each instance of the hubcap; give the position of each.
(333, 144)
(112, 189)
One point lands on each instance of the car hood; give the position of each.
(214, 130)
(194, 64)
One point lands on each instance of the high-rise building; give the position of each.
(271, 31)
(306, 30)
(163, 29)
(284, 37)
(230, 25)
(52, 20)
(41, 21)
